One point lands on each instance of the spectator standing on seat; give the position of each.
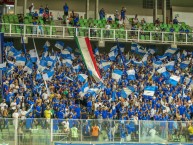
(102, 14)
(66, 8)
(51, 17)
(47, 10)
(116, 16)
(41, 11)
(45, 17)
(76, 20)
(31, 9)
(123, 11)
(135, 20)
(175, 21)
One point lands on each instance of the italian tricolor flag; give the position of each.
(88, 56)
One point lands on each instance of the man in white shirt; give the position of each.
(108, 27)
(153, 111)
(23, 114)
(2, 105)
(15, 115)
(13, 105)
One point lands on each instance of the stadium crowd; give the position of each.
(56, 84)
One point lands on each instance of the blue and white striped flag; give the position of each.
(77, 68)
(96, 51)
(28, 67)
(67, 62)
(150, 90)
(170, 51)
(33, 55)
(151, 51)
(162, 57)
(170, 65)
(184, 54)
(113, 55)
(82, 77)
(20, 61)
(157, 64)
(174, 80)
(139, 63)
(126, 91)
(106, 65)
(59, 45)
(48, 75)
(66, 54)
(85, 88)
(38, 75)
(116, 74)
(164, 72)
(131, 74)
(136, 48)
(184, 64)
(3, 66)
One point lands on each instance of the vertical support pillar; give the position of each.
(155, 10)
(97, 9)
(164, 11)
(87, 8)
(24, 7)
(15, 7)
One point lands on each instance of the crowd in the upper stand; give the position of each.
(139, 85)
(73, 19)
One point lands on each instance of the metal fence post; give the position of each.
(63, 31)
(138, 33)
(51, 131)
(139, 130)
(126, 37)
(16, 127)
(10, 29)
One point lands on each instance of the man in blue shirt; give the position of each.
(41, 11)
(123, 11)
(66, 8)
(102, 14)
(175, 21)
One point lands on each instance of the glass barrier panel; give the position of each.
(156, 36)
(7, 131)
(34, 131)
(83, 32)
(70, 31)
(144, 36)
(120, 34)
(180, 37)
(132, 35)
(66, 130)
(153, 132)
(180, 132)
(168, 37)
(109, 34)
(95, 33)
(190, 37)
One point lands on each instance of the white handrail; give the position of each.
(129, 35)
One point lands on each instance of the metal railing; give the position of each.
(36, 131)
(64, 32)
